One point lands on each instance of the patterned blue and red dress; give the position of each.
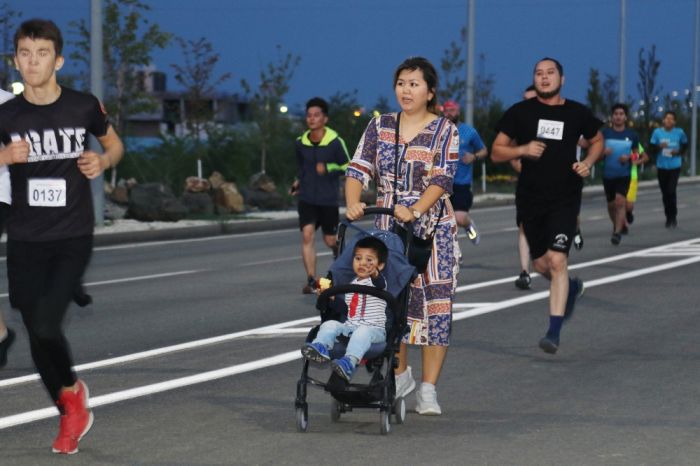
(430, 158)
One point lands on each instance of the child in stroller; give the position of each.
(380, 359)
(366, 317)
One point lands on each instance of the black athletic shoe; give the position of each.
(576, 289)
(80, 297)
(616, 238)
(311, 286)
(5, 346)
(578, 240)
(549, 345)
(630, 217)
(523, 281)
(624, 230)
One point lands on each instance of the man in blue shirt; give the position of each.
(669, 143)
(471, 148)
(621, 153)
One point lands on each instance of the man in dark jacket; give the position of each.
(321, 160)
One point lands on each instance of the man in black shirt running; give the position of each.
(543, 132)
(51, 221)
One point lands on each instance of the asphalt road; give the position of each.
(622, 390)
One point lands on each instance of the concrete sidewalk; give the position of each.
(131, 231)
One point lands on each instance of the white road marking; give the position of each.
(135, 279)
(123, 395)
(31, 416)
(165, 350)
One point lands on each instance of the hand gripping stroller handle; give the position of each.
(322, 302)
(374, 211)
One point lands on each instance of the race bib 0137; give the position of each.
(550, 129)
(46, 192)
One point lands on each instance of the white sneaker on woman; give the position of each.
(426, 400)
(405, 383)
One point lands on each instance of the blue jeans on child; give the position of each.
(361, 336)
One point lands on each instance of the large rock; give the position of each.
(262, 182)
(216, 180)
(119, 195)
(194, 184)
(150, 202)
(265, 200)
(197, 203)
(228, 198)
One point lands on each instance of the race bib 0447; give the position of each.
(46, 192)
(550, 129)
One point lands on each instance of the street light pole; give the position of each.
(471, 25)
(623, 46)
(694, 119)
(96, 86)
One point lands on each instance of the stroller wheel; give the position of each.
(399, 410)
(303, 418)
(336, 409)
(384, 424)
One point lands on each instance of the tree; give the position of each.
(129, 42)
(7, 23)
(452, 64)
(382, 105)
(648, 70)
(265, 101)
(196, 75)
(347, 117)
(601, 96)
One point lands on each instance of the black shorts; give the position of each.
(550, 227)
(325, 216)
(615, 186)
(462, 197)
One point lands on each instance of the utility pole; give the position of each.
(694, 119)
(623, 46)
(471, 26)
(97, 88)
(471, 40)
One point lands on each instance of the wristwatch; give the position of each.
(416, 214)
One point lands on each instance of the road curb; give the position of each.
(291, 222)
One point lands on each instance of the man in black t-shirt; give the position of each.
(50, 226)
(544, 132)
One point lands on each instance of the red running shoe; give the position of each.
(76, 419)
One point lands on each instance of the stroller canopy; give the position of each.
(397, 271)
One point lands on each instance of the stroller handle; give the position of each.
(375, 211)
(322, 301)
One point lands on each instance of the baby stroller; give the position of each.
(380, 360)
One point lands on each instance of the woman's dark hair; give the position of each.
(40, 29)
(376, 245)
(429, 74)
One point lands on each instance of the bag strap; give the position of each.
(396, 167)
(396, 155)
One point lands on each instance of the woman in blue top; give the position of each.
(669, 143)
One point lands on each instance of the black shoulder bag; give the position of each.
(418, 250)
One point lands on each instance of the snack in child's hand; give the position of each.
(324, 284)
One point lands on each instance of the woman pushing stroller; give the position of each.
(412, 156)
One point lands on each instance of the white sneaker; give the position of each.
(426, 401)
(405, 383)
